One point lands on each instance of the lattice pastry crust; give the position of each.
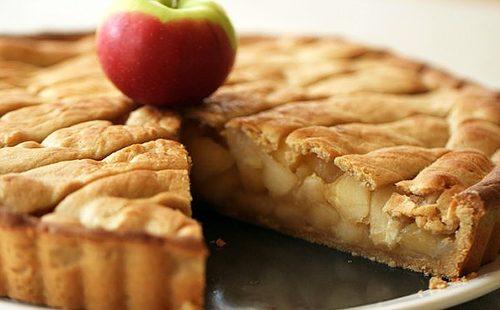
(94, 190)
(318, 138)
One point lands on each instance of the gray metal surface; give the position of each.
(261, 269)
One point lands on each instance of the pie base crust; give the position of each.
(71, 267)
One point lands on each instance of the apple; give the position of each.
(166, 52)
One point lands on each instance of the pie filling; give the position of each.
(314, 199)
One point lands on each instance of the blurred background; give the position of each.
(462, 36)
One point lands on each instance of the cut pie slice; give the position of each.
(318, 138)
(95, 200)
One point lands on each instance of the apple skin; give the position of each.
(159, 60)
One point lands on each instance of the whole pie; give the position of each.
(322, 139)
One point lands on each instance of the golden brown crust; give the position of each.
(488, 190)
(70, 260)
(475, 122)
(37, 122)
(464, 168)
(15, 98)
(98, 139)
(429, 199)
(22, 221)
(148, 116)
(476, 134)
(388, 165)
(476, 107)
(330, 142)
(43, 52)
(50, 184)
(165, 187)
(478, 207)
(30, 155)
(269, 128)
(117, 214)
(381, 118)
(121, 236)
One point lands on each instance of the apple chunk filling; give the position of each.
(319, 213)
(384, 230)
(259, 171)
(351, 198)
(307, 196)
(216, 159)
(415, 239)
(278, 179)
(249, 161)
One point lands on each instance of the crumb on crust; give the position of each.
(466, 278)
(440, 283)
(437, 283)
(219, 243)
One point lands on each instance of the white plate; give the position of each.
(457, 293)
(487, 281)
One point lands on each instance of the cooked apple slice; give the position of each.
(311, 195)
(210, 158)
(351, 198)
(248, 160)
(384, 230)
(278, 179)
(351, 233)
(423, 242)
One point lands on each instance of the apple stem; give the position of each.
(175, 3)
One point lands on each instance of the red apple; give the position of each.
(165, 52)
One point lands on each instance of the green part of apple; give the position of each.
(169, 10)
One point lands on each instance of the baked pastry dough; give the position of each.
(318, 138)
(356, 149)
(95, 196)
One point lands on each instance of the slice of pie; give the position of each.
(319, 138)
(94, 190)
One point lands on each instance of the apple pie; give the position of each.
(355, 149)
(322, 139)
